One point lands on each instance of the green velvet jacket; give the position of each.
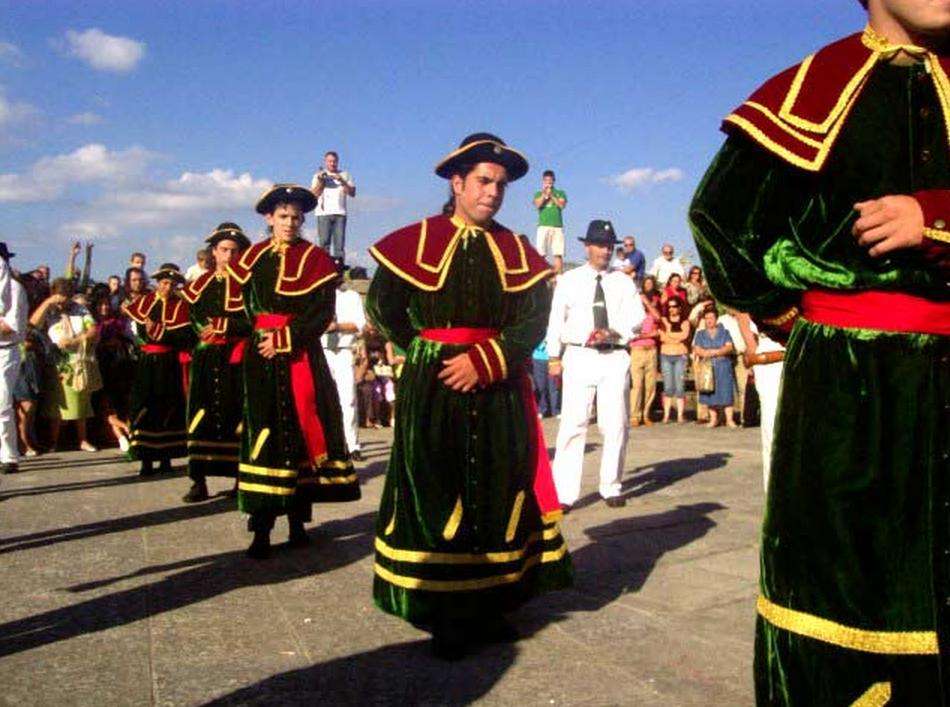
(855, 566)
(216, 391)
(157, 411)
(275, 471)
(459, 531)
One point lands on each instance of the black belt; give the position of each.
(602, 348)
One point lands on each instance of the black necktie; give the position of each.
(600, 307)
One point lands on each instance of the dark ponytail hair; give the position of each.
(462, 170)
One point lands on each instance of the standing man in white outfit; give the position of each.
(665, 266)
(338, 346)
(594, 315)
(13, 320)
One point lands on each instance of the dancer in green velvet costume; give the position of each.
(464, 530)
(216, 392)
(826, 214)
(293, 451)
(157, 410)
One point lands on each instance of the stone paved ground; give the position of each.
(115, 593)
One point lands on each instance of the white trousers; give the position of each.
(768, 382)
(9, 370)
(341, 367)
(586, 373)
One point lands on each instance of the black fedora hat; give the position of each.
(286, 194)
(484, 147)
(600, 233)
(228, 231)
(168, 271)
(4, 253)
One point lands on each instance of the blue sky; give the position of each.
(142, 125)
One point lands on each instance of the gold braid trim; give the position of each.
(937, 235)
(783, 318)
(878, 695)
(858, 639)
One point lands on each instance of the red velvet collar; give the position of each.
(798, 114)
(303, 266)
(174, 312)
(422, 253)
(233, 300)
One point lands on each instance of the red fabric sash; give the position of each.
(877, 309)
(304, 392)
(184, 360)
(544, 489)
(237, 346)
(156, 349)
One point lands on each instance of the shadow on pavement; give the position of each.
(131, 478)
(400, 674)
(116, 525)
(619, 559)
(653, 477)
(340, 543)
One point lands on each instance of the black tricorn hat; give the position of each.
(286, 194)
(168, 271)
(4, 253)
(600, 233)
(484, 147)
(228, 231)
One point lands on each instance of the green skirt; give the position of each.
(855, 566)
(459, 532)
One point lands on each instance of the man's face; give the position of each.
(628, 245)
(164, 287)
(285, 221)
(43, 270)
(137, 261)
(330, 163)
(224, 251)
(480, 194)
(598, 255)
(136, 282)
(930, 18)
(547, 182)
(114, 283)
(668, 252)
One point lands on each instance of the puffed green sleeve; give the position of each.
(387, 306)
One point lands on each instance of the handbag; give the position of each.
(705, 378)
(82, 374)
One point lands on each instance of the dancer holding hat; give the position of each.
(157, 412)
(467, 526)
(594, 316)
(216, 392)
(293, 452)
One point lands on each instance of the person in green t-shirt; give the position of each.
(550, 237)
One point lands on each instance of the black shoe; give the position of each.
(197, 493)
(9, 468)
(146, 469)
(165, 467)
(260, 546)
(565, 509)
(496, 630)
(356, 455)
(616, 501)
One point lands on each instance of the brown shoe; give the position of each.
(634, 422)
(647, 422)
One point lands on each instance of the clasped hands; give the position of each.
(889, 223)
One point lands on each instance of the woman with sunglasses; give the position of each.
(674, 333)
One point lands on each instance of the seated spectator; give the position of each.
(714, 344)
(696, 289)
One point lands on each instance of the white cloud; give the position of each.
(87, 118)
(11, 55)
(51, 176)
(15, 113)
(642, 176)
(104, 52)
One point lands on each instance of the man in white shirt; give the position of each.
(13, 320)
(594, 315)
(332, 186)
(338, 344)
(201, 265)
(666, 265)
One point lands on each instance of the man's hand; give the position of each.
(206, 333)
(265, 347)
(153, 329)
(459, 373)
(77, 246)
(889, 223)
(555, 369)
